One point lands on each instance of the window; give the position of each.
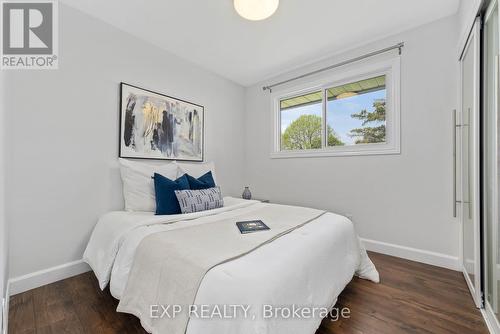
(355, 112)
(301, 121)
(350, 113)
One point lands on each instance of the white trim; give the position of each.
(47, 276)
(473, 169)
(476, 207)
(413, 254)
(470, 285)
(5, 310)
(391, 68)
(357, 150)
(490, 319)
(459, 158)
(469, 266)
(491, 12)
(469, 25)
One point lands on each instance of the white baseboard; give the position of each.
(5, 310)
(47, 276)
(414, 254)
(490, 318)
(54, 274)
(469, 266)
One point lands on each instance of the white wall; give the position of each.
(401, 199)
(62, 143)
(63, 135)
(4, 272)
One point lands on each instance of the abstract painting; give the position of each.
(157, 126)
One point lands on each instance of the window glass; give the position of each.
(356, 112)
(301, 121)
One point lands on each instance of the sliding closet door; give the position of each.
(491, 41)
(469, 146)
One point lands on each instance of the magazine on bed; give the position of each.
(251, 226)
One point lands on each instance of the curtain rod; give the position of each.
(398, 46)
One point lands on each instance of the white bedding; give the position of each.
(308, 267)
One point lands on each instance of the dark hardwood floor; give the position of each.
(411, 298)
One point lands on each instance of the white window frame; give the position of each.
(391, 68)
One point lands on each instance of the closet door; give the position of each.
(491, 68)
(469, 147)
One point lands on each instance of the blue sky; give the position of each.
(338, 113)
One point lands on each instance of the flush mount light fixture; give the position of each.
(256, 10)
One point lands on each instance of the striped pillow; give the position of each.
(199, 200)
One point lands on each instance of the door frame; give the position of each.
(476, 288)
(492, 9)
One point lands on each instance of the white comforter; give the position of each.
(308, 267)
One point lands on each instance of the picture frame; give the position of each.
(157, 126)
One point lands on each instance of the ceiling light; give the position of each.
(256, 10)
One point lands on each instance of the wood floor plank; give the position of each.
(411, 298)
(22, 314)
(55, 310)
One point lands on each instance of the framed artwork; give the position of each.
(157, 126)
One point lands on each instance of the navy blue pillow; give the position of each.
(166, 201)
(203, 182)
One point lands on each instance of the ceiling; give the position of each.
(210, 34)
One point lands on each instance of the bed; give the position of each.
(307, 266)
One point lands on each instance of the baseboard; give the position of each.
(5, 310)
(54, 274)
(490, 319)
(47, 276)
(469, 266)
(414, 254)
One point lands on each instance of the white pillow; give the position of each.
(138, 187)
(196, 169)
